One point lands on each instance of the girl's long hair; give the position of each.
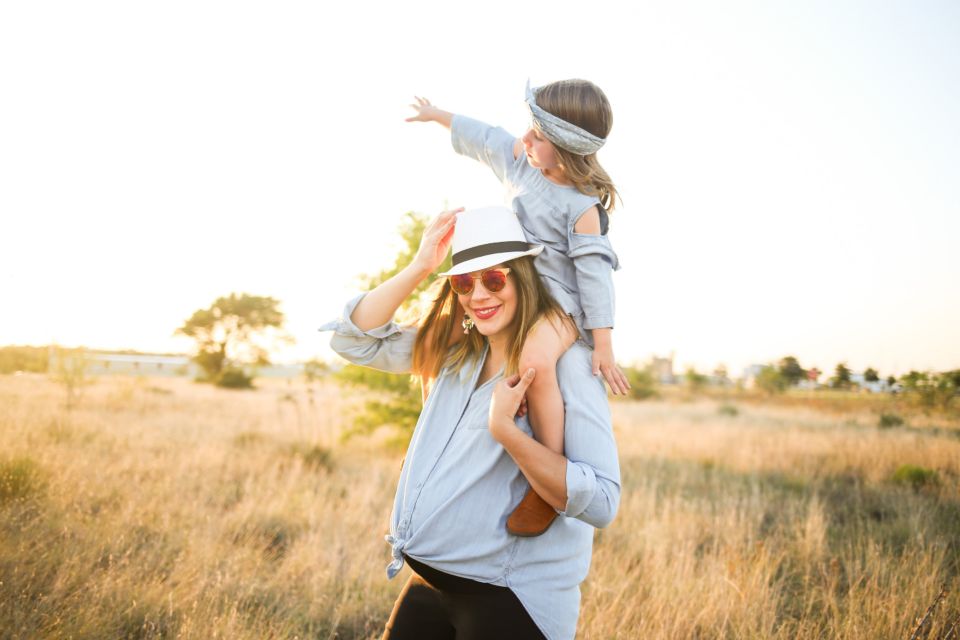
(435, 348)
(584, 104)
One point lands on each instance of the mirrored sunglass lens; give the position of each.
(494, 280)
(462, 283)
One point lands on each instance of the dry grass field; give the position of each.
(160, 508)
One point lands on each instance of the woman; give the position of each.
(470, 460)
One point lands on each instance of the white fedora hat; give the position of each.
(488, 236)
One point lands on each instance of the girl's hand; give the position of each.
(508, 396)
(604, 364)
(436, 240)
(426, 112)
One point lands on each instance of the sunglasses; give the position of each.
(493, 280)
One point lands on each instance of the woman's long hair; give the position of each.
(584, 104)
(435, 348)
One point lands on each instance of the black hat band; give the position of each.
(488, 249)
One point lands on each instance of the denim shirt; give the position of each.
(576, 267)
(458, 485)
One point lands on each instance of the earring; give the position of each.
(467, 323)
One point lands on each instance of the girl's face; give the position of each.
(492, 313)
(541, 154)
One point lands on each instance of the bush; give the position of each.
(233, 378)
(931, 390)
(399, 408)
(771, 381)
(315, 369)
(33, 359)
(915, 476)
(71, 368)
(728, 410)
(890, 420)
(642, 384)
(313, 456)
(19, 478)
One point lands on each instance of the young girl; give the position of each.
(561, 195)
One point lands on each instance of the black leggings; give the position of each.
(438, 606)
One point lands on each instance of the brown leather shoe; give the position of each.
(532, 516)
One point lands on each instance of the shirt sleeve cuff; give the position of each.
(597, 322)
(581, 485)
(344, 325)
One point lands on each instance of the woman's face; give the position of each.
(491, 312)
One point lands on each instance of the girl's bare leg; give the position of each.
(547, 341)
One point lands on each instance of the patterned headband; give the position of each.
(560, 132)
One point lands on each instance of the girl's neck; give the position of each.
(557, 176)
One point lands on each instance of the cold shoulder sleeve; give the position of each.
(387, 348)
(594, 261)
(492, 146)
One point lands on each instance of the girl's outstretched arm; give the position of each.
(426, 112)
(379, 306)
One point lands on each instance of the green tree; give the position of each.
(953, 377)
(871, 375)
(841, 377)
(695, 381)
(399, 398)
(891, 380)
(791, 371)
(931, 390)
(410, 229)
(315, 369)
(771, 380)
(233, 332)
(721, 376)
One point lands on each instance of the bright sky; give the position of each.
(790, 171)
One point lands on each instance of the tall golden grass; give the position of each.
(165, 509)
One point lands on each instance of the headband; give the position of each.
(560, 132)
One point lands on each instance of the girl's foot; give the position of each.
(532, 516)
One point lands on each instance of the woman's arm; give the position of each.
(379, 306)
(543, 468)
(585, 484)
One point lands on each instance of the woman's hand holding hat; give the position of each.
(435, 243)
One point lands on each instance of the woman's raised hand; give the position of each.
(436, 240)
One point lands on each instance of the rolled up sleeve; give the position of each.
(387, 348)
(593, 470)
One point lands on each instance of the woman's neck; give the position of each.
(496, 355)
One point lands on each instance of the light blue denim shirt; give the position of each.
(458, 485)
(577, 268)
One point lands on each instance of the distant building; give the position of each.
(750, 374)
(880, 386)
(140, 364)
(150, 364)
(662, 369)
